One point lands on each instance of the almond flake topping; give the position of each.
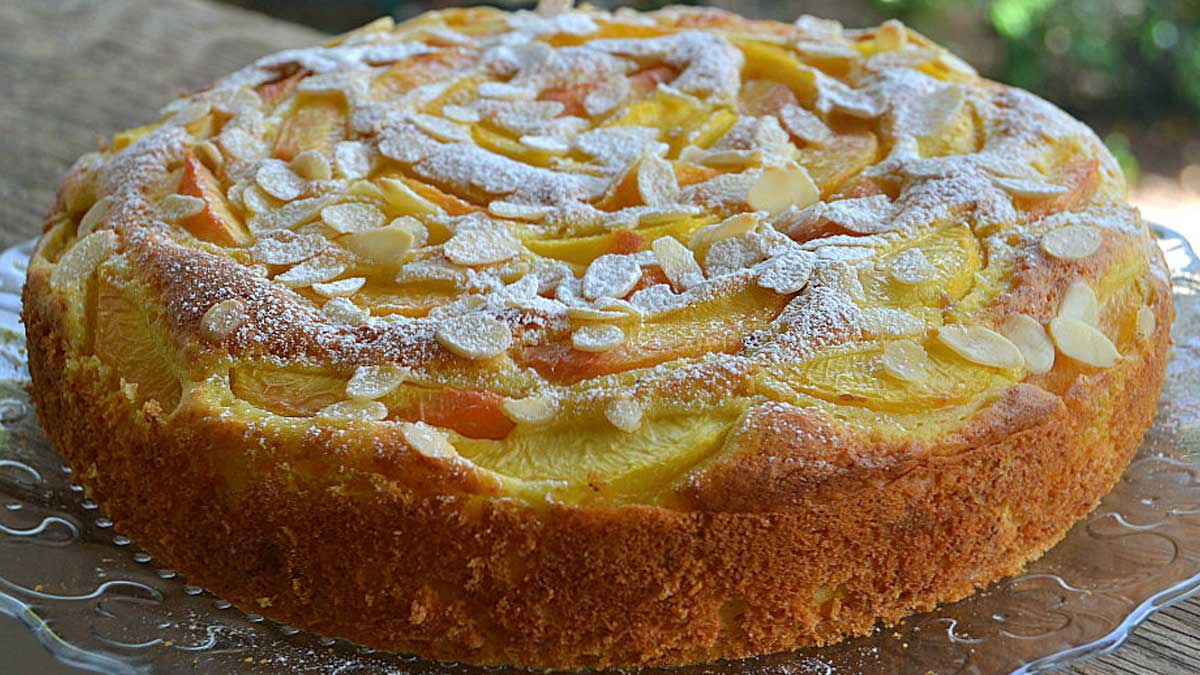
(545, 144)
(1146, 323)
(1072, 242)
(312, 165)
(350, 217)
(352, 159)
(1029, 337)
(607, 96)
(889, 322)
(286, 248)
(209, 155)
(911, 267)
(474, 336)
(905, 360)
(656, 181)
(174, 208)
(372, 382)
(677, 263)
(788, 273)
(1083, 342)
(804, 125)
(343, 311)
(531, 410)
(429, 441)
(342, 288)
(439, 128)
(981, 346)
(624, 414)
(481, 245)
(387, 245)
(891, 36)
(314, 270)
(1030, 189)
(515, 211)
(356, 410)
(1079, 302)
(733, 226)
(279, 181)
(611, 275)
(600, 338)
(781, 187)
(223, 318)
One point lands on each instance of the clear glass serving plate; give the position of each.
(98, 602)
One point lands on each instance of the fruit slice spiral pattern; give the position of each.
(574, 254)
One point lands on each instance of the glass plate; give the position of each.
(97, 601)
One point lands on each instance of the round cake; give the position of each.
(568, 338)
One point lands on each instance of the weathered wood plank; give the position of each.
(76, 71)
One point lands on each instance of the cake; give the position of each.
(567, 338)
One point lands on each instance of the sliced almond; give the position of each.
(656, 181)
(474, 336)
(174, 208)
(1028, 335)
(352, 159)
(905, 360)
(286, 248)
(1028, 189)
(482, 245)
(788, 273)
(375, 381)
(345, 312)
(890, 36)
(78, 263)
(624, 414)
(95, 214)
(342, 288)
(548, 144)
(911, 267)
(1079, 302)
(599, 338)
(1072, 242)
(532, 410)
(733, 226)
(607, 96)
(312, 165)
(677, 263)
(223, 318)
(460, 113)
(352, 217)
(358, 410)
(1083, 342)
(593, 314)
(315, 270)
(610, 275)
(279, 181)
(981, 346)
(209, 155)
(804, 125)
(780, 187)
(514, 211)
(1146, 323)
(429, 441)
(385, 246)
(440, 128)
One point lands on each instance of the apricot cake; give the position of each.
(570, 338)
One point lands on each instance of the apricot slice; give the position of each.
(718, 325)
(841, 159)
(216, 222)
(1081, 178)
(474, 414)
(127, 339)
(316, 123)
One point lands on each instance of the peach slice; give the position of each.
(840, 160)
(215, 223)
(1081, 179)
(719, 325)
(418, 70)
(128, 339)
(316, 123)
(272, 93)
(474, 414)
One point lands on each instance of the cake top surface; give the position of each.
(582, 251)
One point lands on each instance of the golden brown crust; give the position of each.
(488, 581)
(851, 412)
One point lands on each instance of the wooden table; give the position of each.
(75, 71)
